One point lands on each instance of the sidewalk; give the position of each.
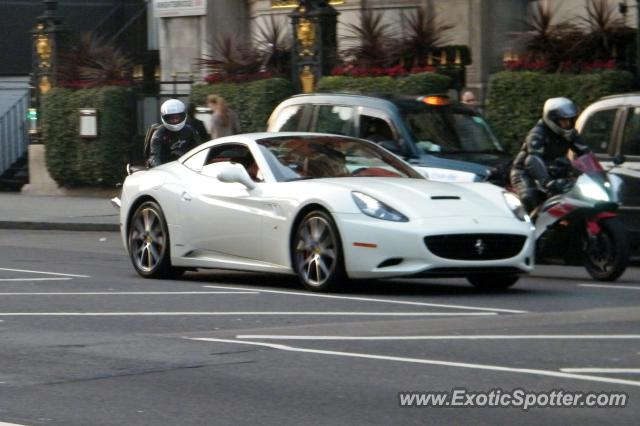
(88, 212)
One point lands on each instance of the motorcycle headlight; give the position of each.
(374, 208)
(516, 206)
(593, 191)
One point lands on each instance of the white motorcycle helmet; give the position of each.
(555, 109)
(173, 115)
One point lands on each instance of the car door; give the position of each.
(376, 126)
(599, 132)
(629, 171)
(223, 218)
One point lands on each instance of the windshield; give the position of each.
(444, 130)
(310, 157)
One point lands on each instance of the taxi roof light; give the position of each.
(435, 100)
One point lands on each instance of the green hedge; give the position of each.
(74, 161)
(252, 101)
(414, 84)
(516, 98)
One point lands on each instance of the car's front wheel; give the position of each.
(492, 282)
(148, 239)
(317, 253)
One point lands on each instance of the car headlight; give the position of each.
(593, 191)
(516, 207)
(374, 208)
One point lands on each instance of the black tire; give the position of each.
(606, 255)
(148, 242)
(317, 253)
(493, 282)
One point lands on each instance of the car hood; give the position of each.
(419, 198)
(481, 164)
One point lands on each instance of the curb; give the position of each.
(60, 226)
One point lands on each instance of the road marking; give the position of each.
(531, 371)
(454, 337)
(112, 293)
(364, 314)
(623, 287)
(44, 273)
(601, 370)
(9, 424)
(35, 279)
(369, 299)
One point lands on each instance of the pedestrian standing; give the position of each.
(224, 121)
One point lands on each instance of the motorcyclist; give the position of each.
(548, 141)
(175, 137)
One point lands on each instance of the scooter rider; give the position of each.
(550, 139)
(175, 137)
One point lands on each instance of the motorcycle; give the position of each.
(579, 224)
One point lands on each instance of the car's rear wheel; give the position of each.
(492, 282)
(148, 239)
(317, 253)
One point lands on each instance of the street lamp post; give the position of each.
(47, 38)
(314, 48)
(638, 40)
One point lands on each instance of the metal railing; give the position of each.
(13, 133)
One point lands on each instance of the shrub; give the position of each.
(253, 101)
(423, 83)
(515, 98)
(93, 62)
(74, 161)
(413, 84)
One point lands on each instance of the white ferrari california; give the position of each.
(326, 208)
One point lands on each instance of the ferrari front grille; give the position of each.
(475, 246)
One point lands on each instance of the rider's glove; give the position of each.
(557, 186)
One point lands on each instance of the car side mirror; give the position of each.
(229, 173)
(619, 159)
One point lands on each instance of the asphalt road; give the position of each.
(85, 341)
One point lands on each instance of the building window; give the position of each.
(295, 3)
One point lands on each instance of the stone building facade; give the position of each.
(486, 26)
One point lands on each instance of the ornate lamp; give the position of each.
(47, 38)
(315, 44)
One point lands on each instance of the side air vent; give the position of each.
(390, 262)
(445, 197)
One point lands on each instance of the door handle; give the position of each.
(186, 196)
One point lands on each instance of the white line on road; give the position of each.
(128, 293)
(124, 314)
(369, 299)
(532, 371)
(620, 287)
(9, 424)
(601, 370)
(454, 337)
(35, 279)
(44, 273)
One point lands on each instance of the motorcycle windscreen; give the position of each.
(588, 164)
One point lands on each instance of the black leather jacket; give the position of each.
(541, 147)
(168, 146)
